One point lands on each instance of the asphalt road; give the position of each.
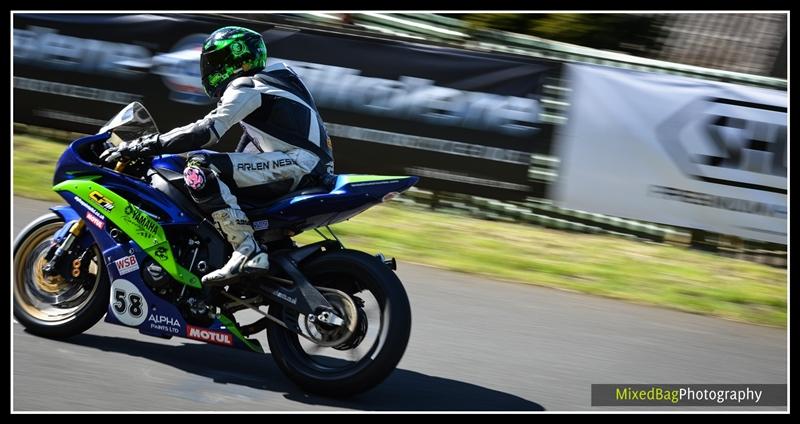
(475, 345)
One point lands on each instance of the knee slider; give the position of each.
(194, 178)
(197, 173)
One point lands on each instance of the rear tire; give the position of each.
(348, 271)
(36, 315)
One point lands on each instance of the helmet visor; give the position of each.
(212, 63)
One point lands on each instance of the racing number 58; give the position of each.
(134, 305)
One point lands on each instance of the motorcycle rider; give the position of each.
(285, 145)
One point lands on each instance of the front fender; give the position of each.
(70, 216)
(66, 213)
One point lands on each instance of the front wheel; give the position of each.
(361, 353)
(54, 306)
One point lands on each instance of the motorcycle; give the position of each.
(131, 246)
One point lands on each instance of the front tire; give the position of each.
(322, 370)
(52, 307)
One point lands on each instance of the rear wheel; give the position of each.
(53, 306)
(361, 353)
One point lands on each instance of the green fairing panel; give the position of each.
(137, 224)
(231, 327)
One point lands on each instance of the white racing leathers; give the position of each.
(285, 145)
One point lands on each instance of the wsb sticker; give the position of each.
(126, 264)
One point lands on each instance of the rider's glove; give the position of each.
(145, 146)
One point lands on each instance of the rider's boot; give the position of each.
(247, 256)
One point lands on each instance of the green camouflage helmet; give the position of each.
(229, 53)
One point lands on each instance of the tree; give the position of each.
(630, 33)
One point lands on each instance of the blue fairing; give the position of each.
(174, 163)
(346, 200)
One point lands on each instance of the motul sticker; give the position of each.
(126, 264)
(95, 220)
(210, 336)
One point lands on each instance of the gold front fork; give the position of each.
(49, 269)
(120, 165)
(77, 227)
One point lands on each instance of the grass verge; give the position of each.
(34, 162)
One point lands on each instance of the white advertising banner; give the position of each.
(675, 150)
